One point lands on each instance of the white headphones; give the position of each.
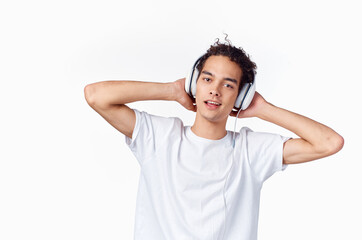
(244, 98)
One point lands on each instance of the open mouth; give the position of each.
(212, 104)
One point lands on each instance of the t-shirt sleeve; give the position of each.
(265, 153)
(151, 134)
(142, 143)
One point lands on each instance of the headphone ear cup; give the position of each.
(187, 83)
(190, 82)
(193, 82)
(241, 95)
(245, 96)
(249, 97)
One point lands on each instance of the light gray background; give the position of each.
(65, 173)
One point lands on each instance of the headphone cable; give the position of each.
(232, 164)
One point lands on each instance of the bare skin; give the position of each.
(108, 98)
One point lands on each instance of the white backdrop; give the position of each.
(65, 173)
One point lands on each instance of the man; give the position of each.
(196, 182)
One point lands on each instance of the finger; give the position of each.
(190, 106)
(233, 114)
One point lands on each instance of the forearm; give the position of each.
(315, 133)
(109, 93)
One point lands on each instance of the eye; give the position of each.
(207, 79)
(228, 86)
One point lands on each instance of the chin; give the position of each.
(213, 117)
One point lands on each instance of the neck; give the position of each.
(207, 129)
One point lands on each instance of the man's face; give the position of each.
(217, 88)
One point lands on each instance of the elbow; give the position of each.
(339, 143)
(335, 144)
(95, 96)
(89, 93)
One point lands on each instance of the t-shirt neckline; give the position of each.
(193, 136)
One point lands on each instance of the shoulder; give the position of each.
(257, 139)
(144, 114)
(156, 121)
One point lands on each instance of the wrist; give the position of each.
(175, 87)
(265, 109)
(171, 90)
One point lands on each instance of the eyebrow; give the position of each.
(228, 79)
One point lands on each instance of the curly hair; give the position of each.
(236, 55)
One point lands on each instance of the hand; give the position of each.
(181, 96)
(255, 108)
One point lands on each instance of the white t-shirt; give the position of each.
(186, 180)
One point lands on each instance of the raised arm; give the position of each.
(108, 98)
(316, 139)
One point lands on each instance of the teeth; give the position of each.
(214, 103)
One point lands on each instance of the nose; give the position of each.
(214, 92)
(215, 89)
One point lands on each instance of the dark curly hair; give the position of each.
(236, 55)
